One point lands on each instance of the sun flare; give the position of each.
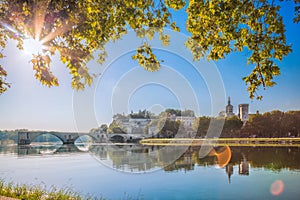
(33, 46)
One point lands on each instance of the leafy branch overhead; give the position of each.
(77, 28)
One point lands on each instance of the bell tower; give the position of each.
(229, 109)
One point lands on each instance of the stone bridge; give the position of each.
(26, 137)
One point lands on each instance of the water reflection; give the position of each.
(138, 158)
(42, 149)
(47, 149)
(229, 171)
(244, 166)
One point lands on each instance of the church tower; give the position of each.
(229, 109)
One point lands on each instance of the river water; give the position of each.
(147, 172)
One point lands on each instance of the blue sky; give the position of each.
(124, 86)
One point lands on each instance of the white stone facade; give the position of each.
(186, 120)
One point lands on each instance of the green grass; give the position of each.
(28, 192)
(38, 193)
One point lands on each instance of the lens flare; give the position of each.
(277, 187)
(223, 155)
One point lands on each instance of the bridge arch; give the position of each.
(57, 135)
(28, 137)
(85, 135)
(118, 138)
(34, 137)
(25, 138)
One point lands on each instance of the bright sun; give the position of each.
(32, 46)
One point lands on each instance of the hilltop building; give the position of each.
(187, 121)
(186, 117)
(243, 112)
(135, 123)
(229, 109)
(222, 113)
(144, 122)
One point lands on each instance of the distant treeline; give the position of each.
(12, 136)
(6, 135)
(269, 124)
(273, 124)
(232, 126)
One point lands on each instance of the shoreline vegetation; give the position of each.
(11, 191)
(23, 191)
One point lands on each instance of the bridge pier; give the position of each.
(69, 141)
(68, 138)
(23, 138)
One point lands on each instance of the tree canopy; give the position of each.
(77, 28)
(273, 124)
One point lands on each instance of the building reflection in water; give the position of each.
(229, 171)
(138, 158)
(244, 166)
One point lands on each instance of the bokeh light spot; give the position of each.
(277, 187)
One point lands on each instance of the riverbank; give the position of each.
(10, 191)
(222, 141)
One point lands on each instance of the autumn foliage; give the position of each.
(76, 29)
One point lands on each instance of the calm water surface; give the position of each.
(121, 171)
